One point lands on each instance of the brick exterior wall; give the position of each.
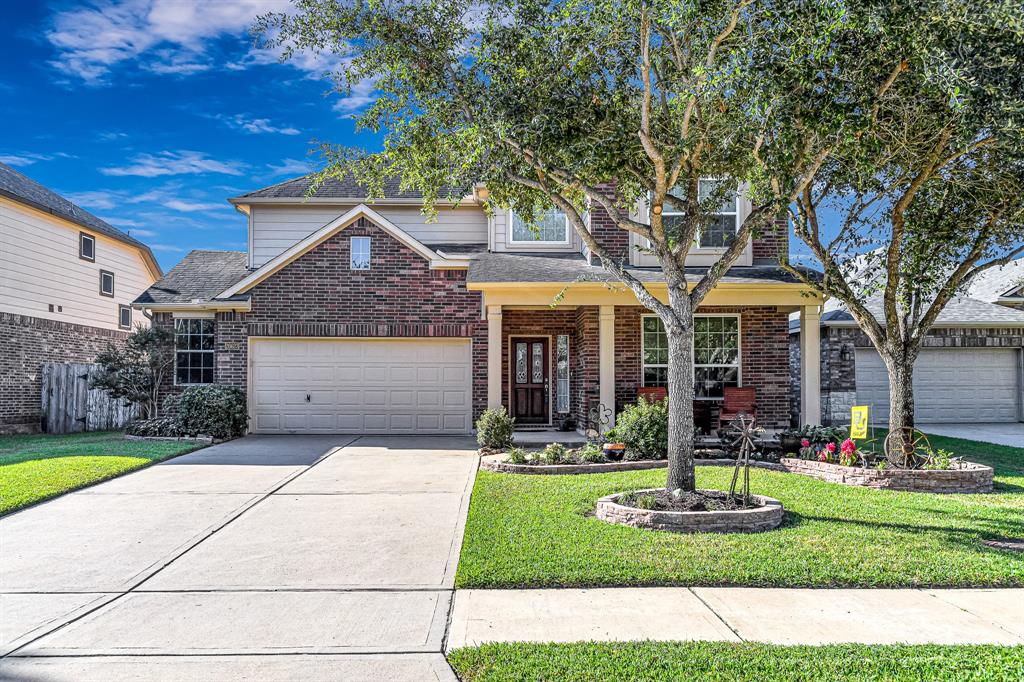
(318, 295)
(612, 237)
(772, 243)
(587, 364)
(546, 323)
(30, 342)
(839, 375)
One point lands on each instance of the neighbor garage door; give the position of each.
(950, 385)
(361, 386)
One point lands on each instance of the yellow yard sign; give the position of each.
(859, 422)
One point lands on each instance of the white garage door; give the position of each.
(361, 386)
(950, 385)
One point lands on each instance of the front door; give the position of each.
(530, 369)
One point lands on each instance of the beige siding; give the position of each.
(502, 243)
(276, 228)
(39, 266)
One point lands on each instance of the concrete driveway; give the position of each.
(276, 557)
(1001, 434)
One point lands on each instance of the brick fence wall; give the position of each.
(30, 342)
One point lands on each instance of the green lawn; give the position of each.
(538, 531)
(38, 467)
(719, 661)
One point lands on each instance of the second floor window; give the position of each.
(193, 351)
(720, 231)
(86, 246)
(551, 227)
(360, 258)
(106, 283)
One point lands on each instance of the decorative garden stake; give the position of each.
(744, 430)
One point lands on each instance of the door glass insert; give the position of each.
(562, 372)
(538, 363)
(521, 363)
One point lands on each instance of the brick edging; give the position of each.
(766, 517)
(972, 478)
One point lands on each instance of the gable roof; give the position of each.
(324, 233)
(23, 189)
(997, 283)
(199, 277)
(961, 311)
(337, 188)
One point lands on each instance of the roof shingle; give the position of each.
(336, 188)
(199, 277)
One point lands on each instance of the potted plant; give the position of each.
(789, 441)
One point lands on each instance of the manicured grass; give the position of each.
(538, 531)
(719, 661)
(38, 467)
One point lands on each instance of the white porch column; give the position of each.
(606, 353)
(494, 356)
(810, 365)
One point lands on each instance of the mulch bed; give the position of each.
(701, 500)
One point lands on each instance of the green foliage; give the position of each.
(135, 370)
(553, 453)
(938, 460)
(643, 427)
(641, 501)
(494, 429)
(591, 453)
(163, 427)
(212, 410)
(516, 456)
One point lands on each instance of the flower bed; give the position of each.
(967, 477)
(499, 464)
(766, 516)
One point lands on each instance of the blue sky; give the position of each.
(151, 113)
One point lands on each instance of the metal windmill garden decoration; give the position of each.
(740, 435)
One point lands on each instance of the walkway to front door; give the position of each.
(530, 380)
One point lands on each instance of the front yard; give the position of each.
(718, 661)
(37, 467)
(537, 531)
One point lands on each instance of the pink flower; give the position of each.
(805, 443)
(831, 447)
(822, 456)
(848, 447)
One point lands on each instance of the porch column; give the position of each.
(493, 356)
(810, 365)
(606, 355)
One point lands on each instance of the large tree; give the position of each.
(921, 105)
(572, 105)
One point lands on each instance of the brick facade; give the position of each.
(613, 238)
(30, 342)
(771, 243)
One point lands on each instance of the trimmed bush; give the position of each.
(212, 410)
(494, 429)
(554, 453)
(643, 428)
(160, 427)
(517, 456)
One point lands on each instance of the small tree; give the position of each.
(603, 103)
(135, 370)
(920, 105)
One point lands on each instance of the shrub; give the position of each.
(643, 428)
(160, 427)
(212, 410)
(553, 453)
(516, 456)
(591, 454)
(939, 460)
(643, 501)
(494, 429)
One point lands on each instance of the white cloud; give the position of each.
(191, 206)
(182, 162)
(255, 126)
(162, 36)
(290, 167)
(167, 248)
(23, 158)
(148, 234)
(360, 96)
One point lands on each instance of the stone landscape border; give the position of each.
(970, 478)
(766, 517)
(498, 464)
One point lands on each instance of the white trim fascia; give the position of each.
(937, 325)
(213, 306)
(456, 263)
(1006, 300)
(321, 235)
(347, 201)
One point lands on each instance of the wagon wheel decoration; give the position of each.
(907, 448)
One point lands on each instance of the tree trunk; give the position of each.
(680, 403)
(901, 391)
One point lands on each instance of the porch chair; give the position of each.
(652, 394)
(736, 402)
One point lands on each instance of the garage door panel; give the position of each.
(950, 385)
(362, 386)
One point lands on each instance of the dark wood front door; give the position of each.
(530, 371)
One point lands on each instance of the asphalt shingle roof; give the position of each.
(334, 188)
(962, 311)
(514, 267)
(20, 187)
(997, 282)
(200, 276)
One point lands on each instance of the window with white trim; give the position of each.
(86, 247)
(106, 283)
(562, 373)
(723, 223)
(124, 316)
(193, 351)
(716, 354)
(360, 253)
(551, 227)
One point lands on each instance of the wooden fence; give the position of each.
(69, 406)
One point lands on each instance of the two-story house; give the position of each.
(67, 281)
(346, 316)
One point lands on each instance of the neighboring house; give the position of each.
(969, 370)
(1003, 285)
(67, 281)
(346, 317)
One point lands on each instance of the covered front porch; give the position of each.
(576, 364)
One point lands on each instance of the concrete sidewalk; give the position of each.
(777, 616)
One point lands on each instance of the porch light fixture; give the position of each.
(845, 354)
